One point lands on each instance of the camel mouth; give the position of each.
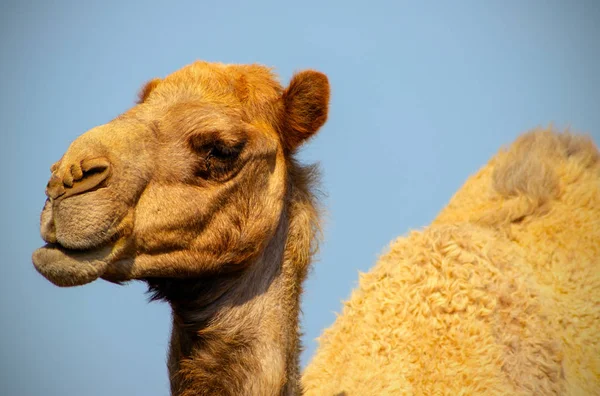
(81, 244)
(72, 267)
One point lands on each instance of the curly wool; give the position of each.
(500, 295)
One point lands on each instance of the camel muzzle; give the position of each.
(87, 219)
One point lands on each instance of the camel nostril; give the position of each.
(91, 174)
(92, 170)
(79, 178)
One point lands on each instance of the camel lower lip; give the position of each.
(67, 267)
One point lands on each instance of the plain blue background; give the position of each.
(424, 94)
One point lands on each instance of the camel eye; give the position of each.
(216, 159)
(216, 148)
(225, 153)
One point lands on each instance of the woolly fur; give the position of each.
(500, 295)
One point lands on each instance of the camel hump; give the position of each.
(525, 179)
(539, 162)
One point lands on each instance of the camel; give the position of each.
(500, 295)
(196, 191)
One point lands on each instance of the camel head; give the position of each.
(190, 181)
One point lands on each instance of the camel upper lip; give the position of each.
(104, 242)
(58, 245)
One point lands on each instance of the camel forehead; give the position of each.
(223, 82)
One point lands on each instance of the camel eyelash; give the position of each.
(210, 145)
(225, 152)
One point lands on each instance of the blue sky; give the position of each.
(423, 93)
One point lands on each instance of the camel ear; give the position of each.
(147, 88)
(306, 102)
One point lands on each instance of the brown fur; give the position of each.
(147, 89)
(195, 190)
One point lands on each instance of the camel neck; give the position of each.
(237, 333)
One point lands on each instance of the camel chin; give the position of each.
(66, 267)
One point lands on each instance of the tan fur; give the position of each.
(499, 296)
(196, 191)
